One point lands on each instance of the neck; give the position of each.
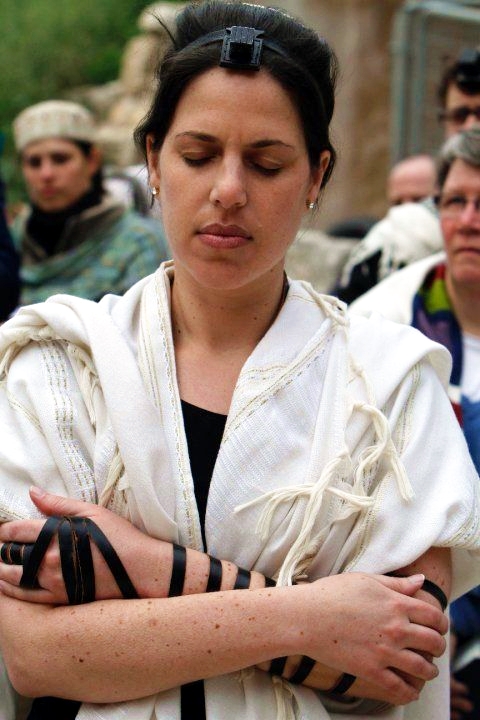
(214, 333)
(465, 301)
(225, 321)
(46, 228)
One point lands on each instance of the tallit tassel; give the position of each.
(386, 446)
(359, 502)
(305, 539)
(273, 500)
(384, 449)
(87, 378)
(283, 697)
(115, 472)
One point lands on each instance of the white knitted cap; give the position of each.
(53, 118)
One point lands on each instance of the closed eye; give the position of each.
(197, 161)
(268, 171)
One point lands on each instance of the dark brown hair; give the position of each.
(306, 69)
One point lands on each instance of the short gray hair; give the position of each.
(462, 146)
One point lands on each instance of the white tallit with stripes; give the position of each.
(340, 453)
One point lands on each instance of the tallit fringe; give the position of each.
(87, 378)
(284, 698)
(355, 499)
(385, 445)
(115, 473)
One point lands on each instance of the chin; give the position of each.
(467, 276)
(51, 206)
(217, 274)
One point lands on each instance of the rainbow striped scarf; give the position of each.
(433, 315)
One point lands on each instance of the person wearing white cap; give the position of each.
(73, 237)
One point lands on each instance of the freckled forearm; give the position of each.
(119, 650)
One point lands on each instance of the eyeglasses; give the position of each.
(460, 114)
(454, 205)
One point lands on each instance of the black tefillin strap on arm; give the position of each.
(75, 535)
(242, 46)
(429, 587)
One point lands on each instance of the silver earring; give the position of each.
(311, 205)
(155, 191)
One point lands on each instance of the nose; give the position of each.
(229, 185)
(46, 169)
(470, 213)
(471, 121)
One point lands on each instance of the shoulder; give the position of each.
(18, 226)
(136, 222)
(393, 296)
(390, 350)
(142, 238)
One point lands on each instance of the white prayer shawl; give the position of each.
(406, 234)
(393, 297)
(334, 457)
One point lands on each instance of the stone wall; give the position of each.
(360, 33)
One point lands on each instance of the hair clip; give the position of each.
(242, 48)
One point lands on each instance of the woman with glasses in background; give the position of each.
(440, 296)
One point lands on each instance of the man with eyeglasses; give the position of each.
(440, 296)
(410, 232)
(459, 93)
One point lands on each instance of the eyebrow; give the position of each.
(204, 137)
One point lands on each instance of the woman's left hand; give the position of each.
(139, 554)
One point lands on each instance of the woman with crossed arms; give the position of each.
(247, 467)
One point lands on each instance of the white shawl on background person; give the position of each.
(407, 233)
(311, 477)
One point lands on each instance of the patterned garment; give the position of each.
(433, 315)
(105, 249)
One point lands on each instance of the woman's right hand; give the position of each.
(144, 558)
(370, 626)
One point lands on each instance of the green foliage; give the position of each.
(51, 46)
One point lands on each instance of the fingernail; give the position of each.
(418, 578)
(37, 492)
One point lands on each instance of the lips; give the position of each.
(468, 249)
(224, 236)
(48, 192)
